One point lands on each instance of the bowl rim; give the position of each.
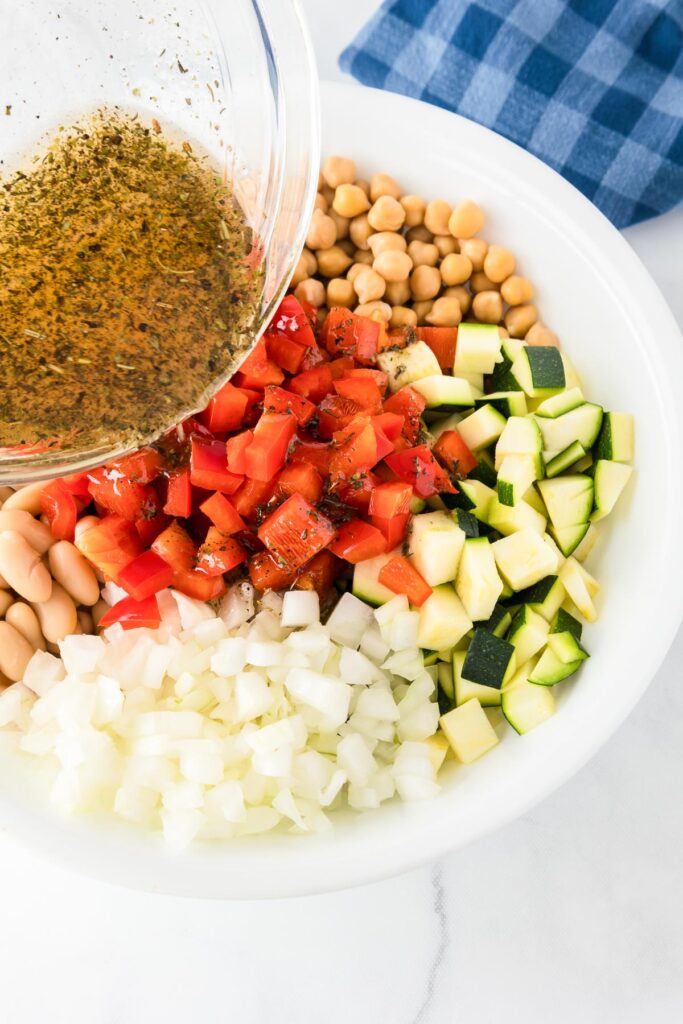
(379, 855)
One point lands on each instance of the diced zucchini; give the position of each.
(568, 538)
(445, 394)
(533, 498)
(609, 479)
(465, 689)
(508, 519)
(581, 424)
(615, 441)
(431, 658)
(524, 704)
(489, 660)
(569, 499)
(468, 731)
(366, 585)
(441, 424)
(478, 349)
(557, 405)
(481, 428)
(539, 369)
(566, 647)
(509, 403)
(475, 497)
(445, 678)
(476, 382)
(523, 559)
(584, 549)
(438, 749)
(435, 543)
(566, 623)
(550, 669)
(563, 460)
(498, 622)
(573, 578)
(478, 584)
(584, 463)
(545, 597)
(570, 375)
(521, 436)
(467, 522)
(484, 470)
(552, 544)
(528, 633)
(515, 477)
(408, 365)
(443, 620)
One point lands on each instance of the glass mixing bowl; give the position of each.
(238, 77)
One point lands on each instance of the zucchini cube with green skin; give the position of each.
(524, 704)
(478, 349)
(615, 440)
(520, 436)
(444, 675)
(443, 621)
(467, 522)
(498, 622)
(564, 460)
(477, 583)
(566, 647)
(544, 597)
(576, 582)
(568, 538)
(475, 497)
(609, 479)
(584, 549)
(568, 499)
(510, 519)
(468, 731)
(489, 660)
(523, 559)
(435, 544)
(408, 365)
(509, 403)
(550, 669)
(366, 585)
(539, 370)
(481, 428)
(465, 689)
(444, 394)
(581, 424)
(528, 633)
(564, 622)
(476, 382)
(484, 470)
(515, 477)
(558, 405)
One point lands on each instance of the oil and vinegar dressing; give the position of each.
(127, 286)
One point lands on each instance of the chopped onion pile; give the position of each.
(225, 724)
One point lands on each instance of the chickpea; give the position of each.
(339, 170)
(393, 266)
(479, 282)
(364, 257)
(475, 249)
(519, 319)
(499, 263)
(539, 334)
(466, 220)
(341, 223)
(397, 293)
(455, 269)
(384, 241)
(347, 246)
(421, 310)
(350, 201)
(321, 180)
(425, 283)
(353, 271)
(340, 292)
(322, 232)
(423, 254)
(386, 214)
(306, 267)
(360, 231)
(369, 285)
(401, 316)
(365, 185)
(487, 306)
(380, 311)
(384, 185)
(516, 290)
(445, 312)
(328, 194)
(321, 315)
(419, 234)
(446, 244)
(321, 203)
(436, 216)
(415, 207)
(333, 262)
(311, 291)
(460, 293)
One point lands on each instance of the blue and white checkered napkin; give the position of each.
(592, 87)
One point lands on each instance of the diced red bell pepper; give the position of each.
(408, 403)
(219, 553)
(150, 528)
(132, 614)
(265, 574)
(314, 357)
(77, 484)
(311, 315)
(254, 400)
(399, 337)
(257, 370)
(315, 453)
(251, 496)
(179, 494)
(402, 577)
(199, 585)
(341, 366)
(442, 341)
(356, 449)
(118, 493)
(384, 445)
(235, 451)
(380, 378)
(110, 545)
(312, 384)
(319, 574)
(344, 333)
(276, 399)
(223, 514)
(267, 453)
(454, 454)
(60, 509)
(394, 529)
(300, 478)
(293, 320)
(364, 392)
(176, 547)
(294, 532)
(209, 467)
(141, 466)
(356, 541)
(225, 410)
(284, 352)
(391, 499)
(356, 492)
(418, 467)
(145, 575)
(390, 423)
(334, 413)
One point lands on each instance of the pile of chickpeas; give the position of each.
(47, 588)
(409, 262)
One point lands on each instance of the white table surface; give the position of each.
(571, 914)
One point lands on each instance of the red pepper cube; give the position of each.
(319, 574)
(408, 403)
(141, 466)
(391, 499)
(145, 575)
(132, 614)
(344, 333)
(364, 392)
(176, 547)
(110, 545)
(198, 585)
(402, 577)
(266, 574)
(59, 506)
(278, 400)
(340, 367)
(112, 489)
(252, 495)
(356, 541)
(257, 370)
(292, 320)
(223, 514)
(454, 454)
(219, 553)
(300, 478)
(179, 494)
(384, 445)
(312, 384)
(390, 423)
(225, 410)
(209, 467)
(149, 529)
(235, 448)
(284, 352)
(356, 450)
(316, 453)
(357, 491)
(267, 453)
(380, 378)
(442, 341)
(294, 532)
(418, 467)
(394, 528)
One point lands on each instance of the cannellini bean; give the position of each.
(322, 231)
(519, 319)
(360, 231)
(70, 568)
(423, 254)
(516, 290)
(393, 265)
(98, 610)
(462, 295)
(57, 615)
(446, 244)
(369, 285)
(85, 524)
(415, 207)
(338, 170)
(27, 498)
(475, 249)
(25, 621)
(350, 201)
(311, 291)
(425, 283)
(340, 292)
(397, 293)
(384, 185)
(539, 334)
(402, 316)
(85, 621)
(445, 312)
(479, 282)
(332, 262)
(22, 567)
(15, 652)
(466, 220)
(386, 214)
(36, 533)
(387, 241)
(6, 602)
(376, 310)
(456, 269)
(499, 263)
(487, 306)
(436, 216)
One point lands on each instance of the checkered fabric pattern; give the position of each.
(592, 87)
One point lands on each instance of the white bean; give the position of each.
(27, 498)
(15, 652)
(57, 615)
(70, 568)
(25, 620)
(22, 567)
(34, 532)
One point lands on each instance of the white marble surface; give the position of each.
(572, 913)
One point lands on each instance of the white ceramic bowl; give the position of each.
(621, 336)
